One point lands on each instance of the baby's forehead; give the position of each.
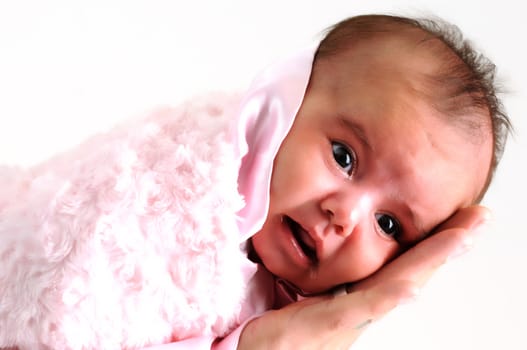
(412, 51)
(394, 61)
(412, 60)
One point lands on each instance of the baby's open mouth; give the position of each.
(305, 242)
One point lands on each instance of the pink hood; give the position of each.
(267, 113)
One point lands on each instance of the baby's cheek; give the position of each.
(283, 180)
(363, 260)
(277, 183)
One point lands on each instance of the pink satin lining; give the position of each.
(266, 114)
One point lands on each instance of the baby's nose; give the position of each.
(345, 211)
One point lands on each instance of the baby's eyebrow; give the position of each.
(356, 129)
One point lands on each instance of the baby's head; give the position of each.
(399, 128)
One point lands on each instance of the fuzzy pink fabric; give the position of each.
(129, 240)
(134, 238)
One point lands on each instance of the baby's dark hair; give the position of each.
(464, 85)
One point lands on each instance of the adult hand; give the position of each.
(335, 322)
(454, 237)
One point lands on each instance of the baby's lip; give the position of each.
(305, 239)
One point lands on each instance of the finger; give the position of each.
(349, 315)
(326, 322)
(417, 264)
(372, 304)
(467, 218)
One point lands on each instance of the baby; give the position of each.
(399, 128)
(344, 157)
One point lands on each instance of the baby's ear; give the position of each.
(468, 218)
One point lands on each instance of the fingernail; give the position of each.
(481, 227)
(411, 297)
(468, 242)
(465, 246)
(363, 324)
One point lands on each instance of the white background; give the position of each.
(71, 68)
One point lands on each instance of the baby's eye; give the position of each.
(344, 157)
(389, 225)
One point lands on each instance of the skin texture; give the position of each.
(327, 322)
(366, 152)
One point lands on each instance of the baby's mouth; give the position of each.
(303, 238)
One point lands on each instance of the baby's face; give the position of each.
(366, 170)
